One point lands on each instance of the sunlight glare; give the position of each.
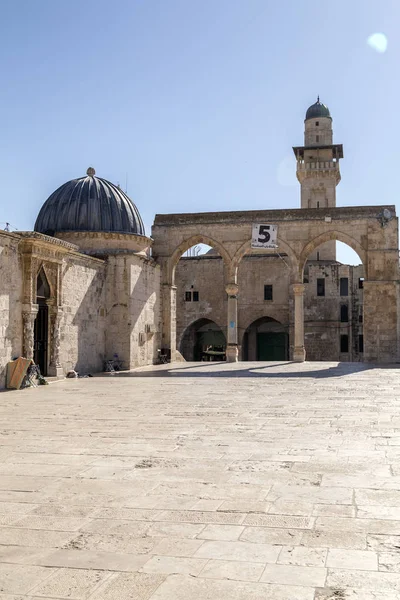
(378, 41)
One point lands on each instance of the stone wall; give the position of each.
(144, 311)
(10, 302)
(322, 316)
(204, 275)
(323, 327)
(83, 322)
(133, 309)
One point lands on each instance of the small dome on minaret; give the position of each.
(318, 110)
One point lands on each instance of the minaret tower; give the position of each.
(318, 168)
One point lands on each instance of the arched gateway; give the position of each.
(297, 266)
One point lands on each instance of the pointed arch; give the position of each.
(192, 241)
(43, 287)
(282, 247)
(339, 236)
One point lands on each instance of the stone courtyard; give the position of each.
(243, 481)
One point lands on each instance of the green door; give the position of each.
(271, 346)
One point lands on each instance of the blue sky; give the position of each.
(195, 104)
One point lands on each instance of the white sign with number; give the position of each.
(264, 235)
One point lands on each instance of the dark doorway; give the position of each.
(41, 331)
(271, 346)
(266, 339)
(41, 337)
(203, 340)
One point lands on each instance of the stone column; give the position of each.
(299, 354)
(232, 329)
(169, 319)
(55, 368)
(28, 319)
(380, 322)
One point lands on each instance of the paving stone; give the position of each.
(171, 564)
(335, 510)
(352, 594)
(368, 580)
(368, 525)
(70, 583)
(20, 579)
(284, 521)
(50, 523)
(54, 510)
(241, 551)
(383, 543)
(221, 532)
(240, 475)
(294, 575)
(352, 559)
(16, 508)
(89, 559)
(129, 586)
(379, 512)
(229, 569)
(389, 561)
(177, 547)
(334, 539)
(269, 535)
(179, 530)
(181, 587)
(192, 516)
(304, 557)
(244, 506)
(211, 505)
(117, 526)
(34, 537)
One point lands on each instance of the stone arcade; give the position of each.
(87, 283)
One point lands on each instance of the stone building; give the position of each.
(82, 286)
(88, 284)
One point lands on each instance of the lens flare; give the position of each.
(378, 41)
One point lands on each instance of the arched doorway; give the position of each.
(203, 340)
(266, 339)
(41, 329)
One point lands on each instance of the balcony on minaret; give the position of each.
(318, 161)
(320, 165)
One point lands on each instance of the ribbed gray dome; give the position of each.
(89, 204)
(318, 110)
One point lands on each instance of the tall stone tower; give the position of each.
(318, 168)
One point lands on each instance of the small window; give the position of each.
(344, 343)
(361, 343)
(361, 283)
(268, 292)
(360, 318)
(188, 296)
(316, 123)
(317, 138)
(344, 313)
(318, 207)
(318, 252)
(321, 287)
(195, 296)
(344, 286)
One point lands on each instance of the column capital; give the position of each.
(30, 309)
(169, 285)
(232, 289)
(298, 289)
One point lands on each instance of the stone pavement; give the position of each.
(203, 481)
